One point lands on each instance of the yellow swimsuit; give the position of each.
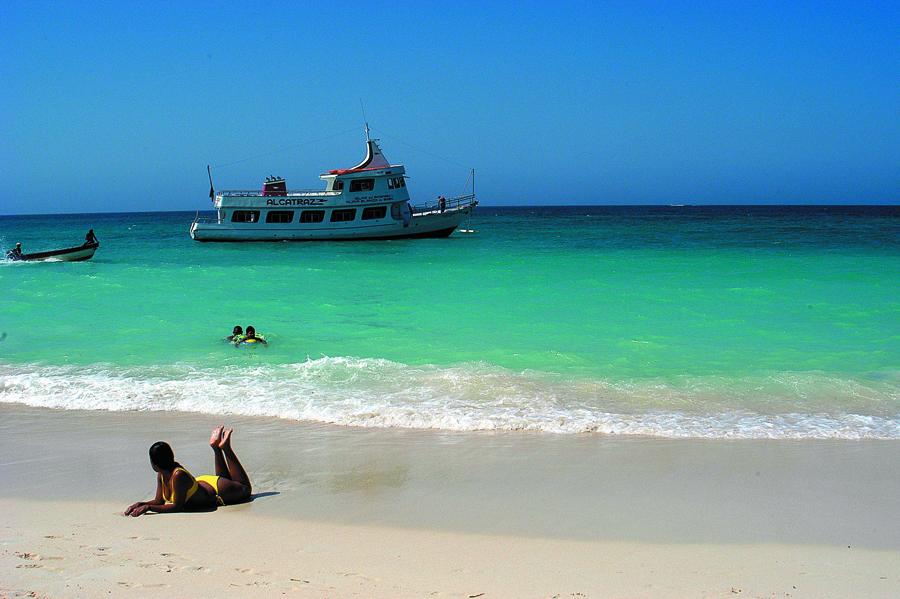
(211, 480)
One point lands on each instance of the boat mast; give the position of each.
(365, 119)
(212, 190)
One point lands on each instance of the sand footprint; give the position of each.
(196, 569)
(27, 555)
(30, 557)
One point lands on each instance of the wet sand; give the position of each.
(387, 513)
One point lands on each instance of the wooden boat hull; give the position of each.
(73, 254)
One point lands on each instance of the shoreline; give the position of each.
(507, 514)
(471, 397)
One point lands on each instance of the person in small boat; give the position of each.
(15, 253)
(251, 337)
(90, 238)
(177, 490)
(237, 334)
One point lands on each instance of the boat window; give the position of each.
(245, 216)
(279, 216)
(338, 186)
(312, 216)
(341, 216)
(374, 212)
(362, 185)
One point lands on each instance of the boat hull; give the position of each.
(74, 254)
(428, 225)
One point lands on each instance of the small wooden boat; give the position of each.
(74, 254)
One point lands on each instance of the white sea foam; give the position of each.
(476, 396)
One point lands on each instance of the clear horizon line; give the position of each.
(685, 205)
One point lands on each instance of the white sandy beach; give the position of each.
(345, 512)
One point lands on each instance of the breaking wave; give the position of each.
(478, 396)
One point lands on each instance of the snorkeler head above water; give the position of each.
(237, 333)
(251, 337)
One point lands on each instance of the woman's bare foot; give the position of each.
(225, 443)
(216, 436)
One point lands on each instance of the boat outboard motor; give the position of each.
(274, 186)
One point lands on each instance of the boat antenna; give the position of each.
(365, 119)
(212, 191)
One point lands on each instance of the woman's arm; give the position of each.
(158, 500)
(181, 482)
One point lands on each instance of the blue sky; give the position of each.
(120, 106)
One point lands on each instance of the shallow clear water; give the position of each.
(679, 321)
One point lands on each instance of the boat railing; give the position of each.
(206, 220)
(450, 205)
(255, 193)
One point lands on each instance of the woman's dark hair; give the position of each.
(251, 331)
(237, 330)
(162, 456)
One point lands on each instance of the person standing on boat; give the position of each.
(90, 238)
(15, 253)
(406, 214)
(442, 203)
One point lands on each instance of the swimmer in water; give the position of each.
(237, 334)
(178, 491)
(251, 337)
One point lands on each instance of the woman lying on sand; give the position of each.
(177, 490)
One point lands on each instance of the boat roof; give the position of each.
(374, 161)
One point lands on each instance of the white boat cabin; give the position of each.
(367, 201)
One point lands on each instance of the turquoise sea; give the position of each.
(665, 321)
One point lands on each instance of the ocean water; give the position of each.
(720, 322)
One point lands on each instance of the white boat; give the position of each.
(367, 201)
